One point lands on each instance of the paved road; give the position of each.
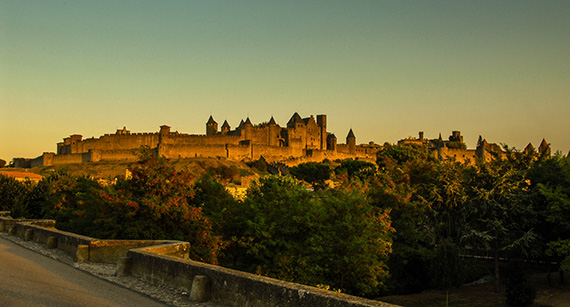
(31, 279)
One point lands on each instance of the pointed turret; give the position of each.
(480, 141)
(225, 127)
(211, 126)
(272, 121)
(350, 134)
(544, 148)
(351, 142)
(529, 149)
(248, 122)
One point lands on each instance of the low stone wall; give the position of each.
(43, 231)
(86, 248)
(231, 287)
(111, 251)
(167, 263)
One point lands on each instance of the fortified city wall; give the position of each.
(302, 138)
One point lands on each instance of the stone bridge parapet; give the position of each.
(166, 263)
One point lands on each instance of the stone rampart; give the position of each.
(238, 152)
(118, 142)
(258, 135)
(113, 155)
(181, 151)
(201, 140)
(67, 159)
(270, 153)
(459, 155)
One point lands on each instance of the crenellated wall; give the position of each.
(459, 155)
(246, 142)
(182, 151)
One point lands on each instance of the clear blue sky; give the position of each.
(386, 69)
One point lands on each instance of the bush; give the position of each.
(260, 165)
(313, 173)
(518, 290)
(331, 237)
(14, 196)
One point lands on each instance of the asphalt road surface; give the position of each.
(31, 279)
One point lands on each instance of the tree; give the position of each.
(551, 178)
(152, 204)
(518, 291)
(356, 241)
(2, 163)
(313, 173)
(216, 203)
(14, 196)
(502, 217)
(331, 237)
(447, 195)
(401, 154)
(72, 201)
(547, 178)
(403, 185)
(271, 228)
(355, 168)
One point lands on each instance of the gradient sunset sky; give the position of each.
(386, 69)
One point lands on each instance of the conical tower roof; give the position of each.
(544, 148)
(529, 148)
(248, 122)
(211, 120)
(272, 121)
(226, 125)
(350, 134)
(295, 119)
(543, 145)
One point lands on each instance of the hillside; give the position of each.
(229, 171)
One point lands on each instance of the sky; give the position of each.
(386, 69)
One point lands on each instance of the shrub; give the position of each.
(518, 291)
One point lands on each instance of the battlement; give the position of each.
(455, 149)
(245, 142)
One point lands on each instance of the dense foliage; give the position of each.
(313, 173)
(403, 224)
(14, 196)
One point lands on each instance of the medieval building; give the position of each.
(301, 140)
(455, 149)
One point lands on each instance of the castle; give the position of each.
(455, 149)
(301, 140)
